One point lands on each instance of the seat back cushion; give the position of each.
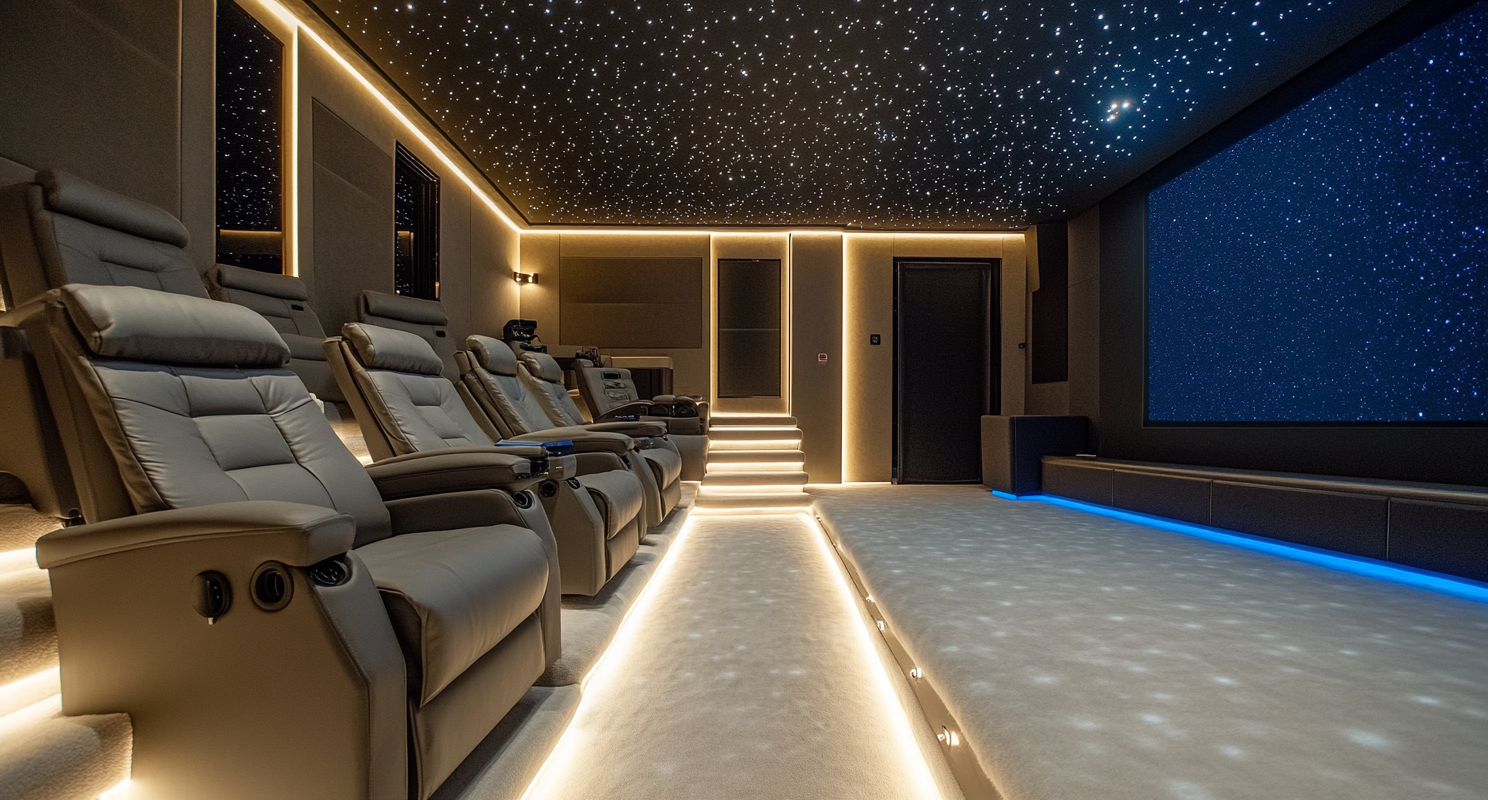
(401, 380)
(423, 318)
(193, 430)
(62, 229)
(604, 388)
(494, 380)
(544, 378)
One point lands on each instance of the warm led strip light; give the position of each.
(911, 756)
(605, 671)
(290, 18)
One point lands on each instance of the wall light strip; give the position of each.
(1458, 587)
(912, 758)
(290, 17)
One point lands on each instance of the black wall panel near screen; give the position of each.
(945, 367)
(631, 302)
(1050, 323)
(748, 327)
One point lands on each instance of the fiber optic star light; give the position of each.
(867, 113)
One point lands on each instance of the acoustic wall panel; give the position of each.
(352, 187)
(1443, 537)
(631, 302)
(1346, 522)
(1092, 484)
(1171, 496)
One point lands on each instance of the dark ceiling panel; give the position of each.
(874, 114)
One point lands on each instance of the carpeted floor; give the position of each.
(1092, 659)
(746, 675)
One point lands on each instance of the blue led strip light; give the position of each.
(1457, 587)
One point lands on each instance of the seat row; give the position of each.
(276, 618)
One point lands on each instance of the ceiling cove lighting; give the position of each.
(278, 10)
(912, 758)
(1470, 590)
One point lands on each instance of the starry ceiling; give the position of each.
(874, 114)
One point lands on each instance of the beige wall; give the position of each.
(868, 370)
(541, 254)
(108, 92)
(816, 328)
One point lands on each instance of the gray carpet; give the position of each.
(747, 675)
(1089, 658)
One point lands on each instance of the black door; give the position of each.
(945, 367)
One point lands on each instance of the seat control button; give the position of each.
(212, 595)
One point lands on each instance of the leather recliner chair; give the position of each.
(423, 318)
(608, 391)
(491, 382)
(285, 302)
(544, 379)
(55, 230)
(277, 620)
(404, 405)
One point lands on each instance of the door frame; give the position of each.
(993, 320)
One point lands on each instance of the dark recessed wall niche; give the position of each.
(416, 228)
(871, 113)
(250, 161)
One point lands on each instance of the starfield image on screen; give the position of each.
(1332, 267)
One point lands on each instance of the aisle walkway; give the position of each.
(746, 674)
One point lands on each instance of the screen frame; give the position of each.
(1435, 452)
(1368, 48)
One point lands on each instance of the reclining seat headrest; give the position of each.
(188, 396)
(399, 351)
(492, 355)
(404, 309)
(284, 287)
(68, 194)
(543, 366)
(62, 229)
(127, 322)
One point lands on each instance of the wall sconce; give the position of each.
(524, 277)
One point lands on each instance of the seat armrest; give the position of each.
(458, 469)
(634, 429)
(634, 408)
(584, 440)
(297, 534)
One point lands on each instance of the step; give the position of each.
(764, 478)
(781, 420)
(28, 633)
(46, 754)
(732, 501)
(742, 456)
(754, 433)
(716, 445)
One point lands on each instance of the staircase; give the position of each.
(755, 465)
(43, 754)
